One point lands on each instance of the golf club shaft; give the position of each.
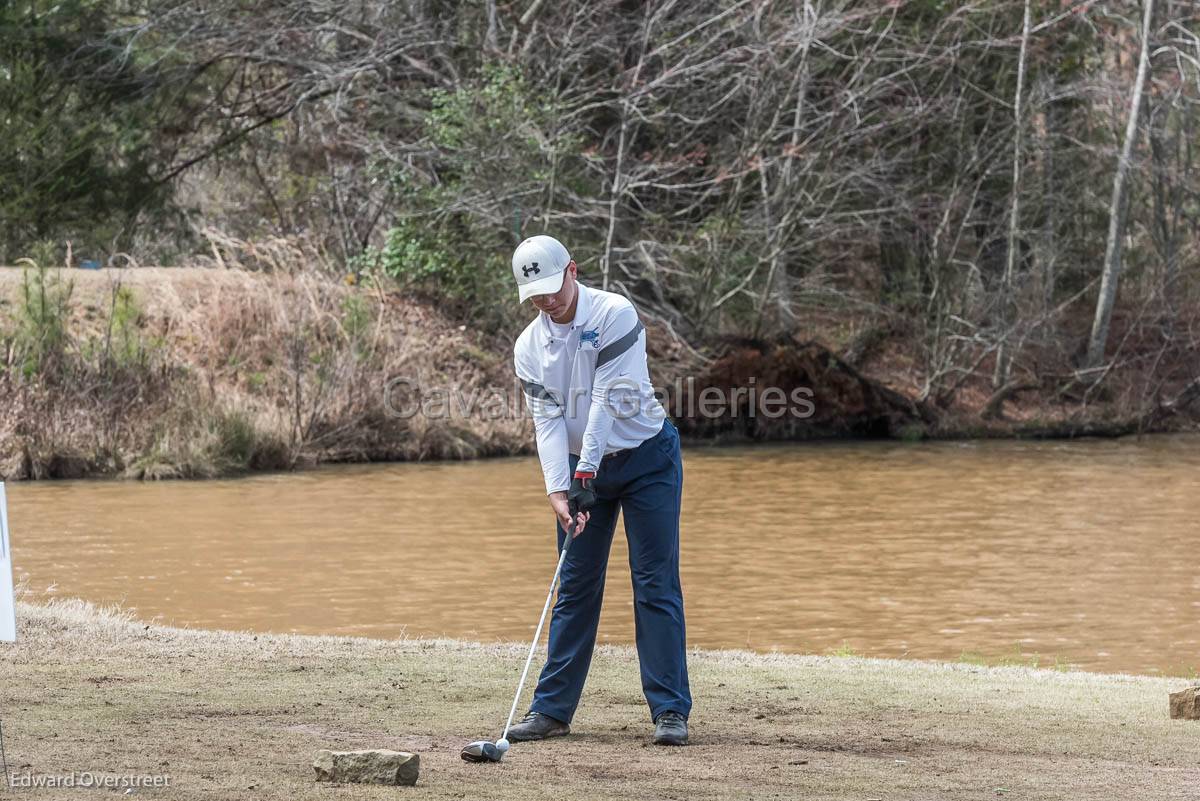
(538, 634)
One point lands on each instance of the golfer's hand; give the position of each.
(562, 510)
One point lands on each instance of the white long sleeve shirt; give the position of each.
(586, 384)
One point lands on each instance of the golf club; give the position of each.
(482, 750)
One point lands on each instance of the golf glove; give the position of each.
(581, 497)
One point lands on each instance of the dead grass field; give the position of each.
(221, 372)
(218, 372)
(230, 715)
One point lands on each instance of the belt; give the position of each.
(635, 447)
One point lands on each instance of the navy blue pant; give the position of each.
(646, 483)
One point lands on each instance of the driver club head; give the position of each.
(482, 751)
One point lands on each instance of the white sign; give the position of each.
(8, 615)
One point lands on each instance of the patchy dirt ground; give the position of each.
(230, 715)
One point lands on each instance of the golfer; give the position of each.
(605, 446)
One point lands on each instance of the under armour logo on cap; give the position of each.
(539, 264)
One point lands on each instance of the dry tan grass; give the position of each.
(232, 715)
(298, 253)
(267, 368)
(254, 370)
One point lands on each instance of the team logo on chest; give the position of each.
(592, 336)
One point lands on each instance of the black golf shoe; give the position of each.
(670, 729)
(536, 726)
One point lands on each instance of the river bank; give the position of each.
(189, 373)
(196, 373)
(230, 715)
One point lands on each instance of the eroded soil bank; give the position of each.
(194, 373)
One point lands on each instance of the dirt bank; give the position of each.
(192, 373)
(240, 716)
(165, 373)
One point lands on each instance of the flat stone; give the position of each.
(1185, 704)
(367, 767)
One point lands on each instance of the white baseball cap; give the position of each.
(539, 265)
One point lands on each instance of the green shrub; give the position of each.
(498, 146)
(42, 314)
(475, 282)
(125, 346)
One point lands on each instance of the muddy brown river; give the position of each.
(1080, 554)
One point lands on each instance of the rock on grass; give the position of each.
(1185, 704)
(367, 767)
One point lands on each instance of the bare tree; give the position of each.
(730, 167)
(1118, 207)
(1003, 358)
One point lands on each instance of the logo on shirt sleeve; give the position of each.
(592, 336)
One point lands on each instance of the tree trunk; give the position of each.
(618, 183)
(1118, 207)
(614, 198)
(1051, 180)
(777, 279)
(491, 38)
(1003, 357)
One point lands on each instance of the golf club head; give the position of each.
(482, 751)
